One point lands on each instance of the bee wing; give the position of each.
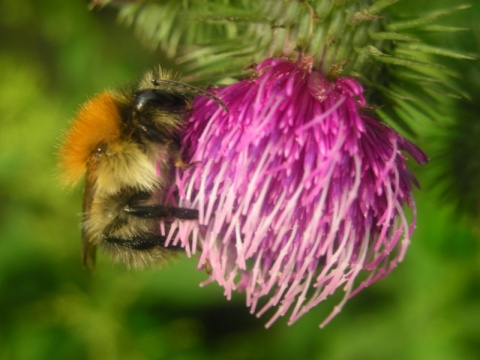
(88, 247)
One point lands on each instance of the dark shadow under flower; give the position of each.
(299, 188)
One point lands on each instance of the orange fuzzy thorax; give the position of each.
(98, 122)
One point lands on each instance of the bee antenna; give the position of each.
(193, 89)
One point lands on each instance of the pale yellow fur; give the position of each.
(126, 164)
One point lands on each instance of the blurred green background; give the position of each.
(54, 54)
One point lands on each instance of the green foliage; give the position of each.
(379, 42)
(456, 169)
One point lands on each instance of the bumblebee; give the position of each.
(128, 144)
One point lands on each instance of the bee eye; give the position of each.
(158, 99)
(100, 150)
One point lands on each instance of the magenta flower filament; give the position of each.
(300, 189)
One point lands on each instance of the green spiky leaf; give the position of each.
(216, 41)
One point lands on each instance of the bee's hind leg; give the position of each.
(142, 242)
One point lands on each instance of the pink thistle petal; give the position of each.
(298, 187)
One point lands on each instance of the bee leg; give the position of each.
(161, 211)
(145, 242)
(183, 165)
(135, 206)
(148, 237)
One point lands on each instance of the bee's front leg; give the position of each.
(135, 207)
(161, 212)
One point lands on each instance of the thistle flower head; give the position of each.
(300, 189)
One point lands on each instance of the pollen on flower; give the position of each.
(299, 189)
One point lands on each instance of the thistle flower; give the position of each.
(299, 187)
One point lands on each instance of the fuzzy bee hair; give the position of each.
(128, 143)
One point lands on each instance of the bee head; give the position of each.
(156, 115)
(153, 99)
